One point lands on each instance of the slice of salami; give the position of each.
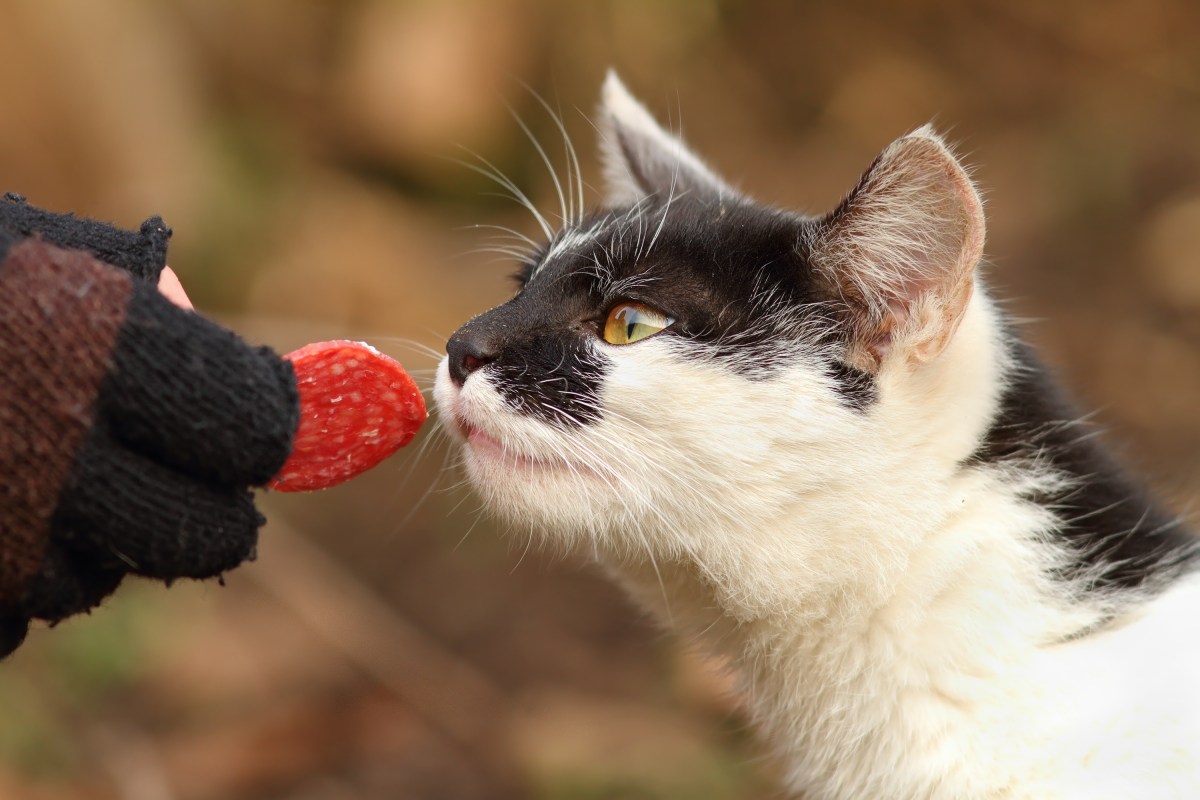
(357, 407)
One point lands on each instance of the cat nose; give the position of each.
(468, 352)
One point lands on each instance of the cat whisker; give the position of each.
(528, 544)
(633, 443)
(662, 221)
(565, 215)
(610, 475)
(513, 239)
(413, 344)
(421, 455)
(471, 528)
(492, 172)
(574, 172)
(693, 499)
(510, 232)
(500, 250)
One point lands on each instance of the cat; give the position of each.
(818, 448)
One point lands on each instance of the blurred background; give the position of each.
(390, 642)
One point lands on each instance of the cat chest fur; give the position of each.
(836, 466)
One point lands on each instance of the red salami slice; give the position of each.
(357, 407)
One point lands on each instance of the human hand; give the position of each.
(130, 429)
(172, 289)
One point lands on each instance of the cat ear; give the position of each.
(641, 159)
(901, 251)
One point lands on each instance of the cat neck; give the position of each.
(874, 693)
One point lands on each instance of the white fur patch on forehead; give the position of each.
(641, 159)
(569, 242)
(572, 242)
(609, 240)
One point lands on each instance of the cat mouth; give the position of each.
(487, 447)
(480, 440)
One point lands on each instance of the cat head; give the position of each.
(684, 368)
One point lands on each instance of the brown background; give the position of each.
(389, 643)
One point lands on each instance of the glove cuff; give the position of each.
(60, 340)
(142, 254)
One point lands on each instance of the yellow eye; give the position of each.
(630, 322)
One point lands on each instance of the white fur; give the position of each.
(915, 212)
(887, 609)
(889, 612)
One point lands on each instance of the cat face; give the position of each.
(630, 377)
(686, 361)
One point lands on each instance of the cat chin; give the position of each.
(541, 488)
(491, 460)
(564, 504)
(553, 500)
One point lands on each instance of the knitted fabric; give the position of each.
(49, 386)
(131, 430)
(142, 254)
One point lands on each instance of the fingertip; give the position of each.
(172, 289)
(129, 512)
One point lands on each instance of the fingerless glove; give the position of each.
(131, 430)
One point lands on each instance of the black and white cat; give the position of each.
(815, 446)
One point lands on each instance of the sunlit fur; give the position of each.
(892, 610)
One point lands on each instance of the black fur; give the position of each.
(1120, 538)
(856, 388)
(734, 276)
(536, 344)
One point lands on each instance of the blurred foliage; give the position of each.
(308, 156)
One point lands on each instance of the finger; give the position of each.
(124, 509)
(172, 289)
(71, 580)
(195, 396)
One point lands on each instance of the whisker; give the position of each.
(573, 167)
(558, 188)
(492, 172)
(502, 229)
(414, 344)
(511, 252)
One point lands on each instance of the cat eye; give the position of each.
(631, 322)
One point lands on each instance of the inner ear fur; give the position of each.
(900, 252)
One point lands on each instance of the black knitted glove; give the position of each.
(130, 429)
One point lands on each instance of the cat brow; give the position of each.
(570, 241)
(628, 285)
(607, 242)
